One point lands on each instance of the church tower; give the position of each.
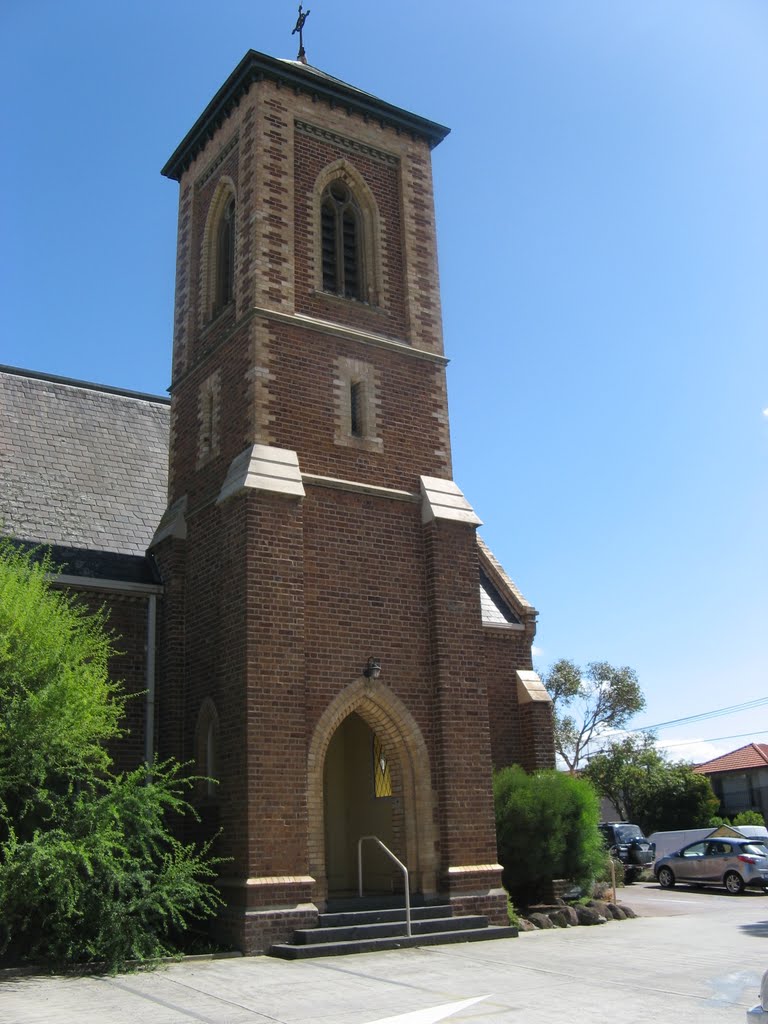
(325, 655)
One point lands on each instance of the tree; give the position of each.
(88, 867)
(546, 827)
(588, 703)
(649, 790)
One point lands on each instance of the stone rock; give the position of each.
(558, 918)
(524, 925)
(588, 915)
(616, 913)
(541, 920)
(628, 911)
(570, 914)
(601, 906)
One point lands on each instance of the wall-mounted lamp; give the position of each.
(372, 669)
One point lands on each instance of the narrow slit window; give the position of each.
(208, 414)
(356, 398)
(382, 779)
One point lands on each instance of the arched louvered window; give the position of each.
(225, 257)
(341, 229)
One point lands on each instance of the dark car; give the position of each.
(627, 843)
(734, 863)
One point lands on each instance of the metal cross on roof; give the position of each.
(303, 15)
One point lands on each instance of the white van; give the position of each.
(671, 842)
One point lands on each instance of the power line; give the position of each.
(714, 739)
(734, 709)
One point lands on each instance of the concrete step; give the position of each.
(376, 930)
(380, 915)
(370, 945)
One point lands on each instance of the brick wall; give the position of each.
(273, 605)
(127, 619)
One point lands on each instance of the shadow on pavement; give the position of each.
(757, 928)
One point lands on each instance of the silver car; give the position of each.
(734, 863)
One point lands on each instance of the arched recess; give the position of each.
(218, 254)
(406, 751)
(206, 749)
(371, 241)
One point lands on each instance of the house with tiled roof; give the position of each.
(740, 779)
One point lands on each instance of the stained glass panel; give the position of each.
(382, 780)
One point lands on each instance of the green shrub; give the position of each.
(603, 873)
(89, 870)
(512, 915)
(104, 880)
(742, 818)
(546, 827)
(749, 818)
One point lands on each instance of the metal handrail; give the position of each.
(399, 863)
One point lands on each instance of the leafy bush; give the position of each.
(88, 867)
(604, 874)
(742, 818)
(749, 818)
(512, 915)
(546, 827)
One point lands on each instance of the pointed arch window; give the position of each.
(341, 225)
(206, 750)
(224, 256)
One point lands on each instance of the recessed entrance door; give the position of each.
(358, 801)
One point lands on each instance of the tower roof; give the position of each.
(255, 67)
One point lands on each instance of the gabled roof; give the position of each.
(82, 467)
(753, 755)
(501, 602)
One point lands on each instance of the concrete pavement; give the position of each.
(692, 957)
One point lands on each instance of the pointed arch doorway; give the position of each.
(360, 725)
(358, 801)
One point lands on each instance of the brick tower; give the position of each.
(323, 650)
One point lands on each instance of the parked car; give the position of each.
(734, 863)
(629, 845)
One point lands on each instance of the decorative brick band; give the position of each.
(348, 333)
(474, 869)
(267, 880)
(340, 140)
(352, 485)
(218, 161)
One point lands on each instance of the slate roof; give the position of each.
(753, 755)
(501, 602)
(494, 609)
(84, 468)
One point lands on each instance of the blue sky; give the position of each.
(602, 207)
